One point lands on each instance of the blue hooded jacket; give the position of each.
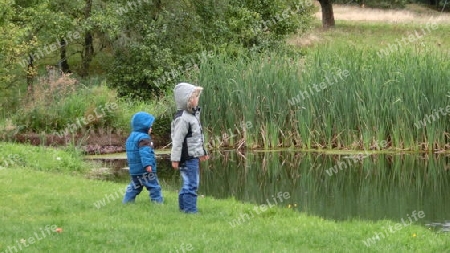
(139, 147)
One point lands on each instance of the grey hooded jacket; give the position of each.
(186, 130)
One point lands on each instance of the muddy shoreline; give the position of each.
(91, 144)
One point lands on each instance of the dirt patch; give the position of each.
(355, 13)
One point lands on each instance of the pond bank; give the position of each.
(90, 143)
(95, 143)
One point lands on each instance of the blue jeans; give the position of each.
(187, 199)
(150, 181)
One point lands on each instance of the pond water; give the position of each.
(336, 187)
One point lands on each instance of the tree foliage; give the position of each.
(176, 35)
(144, 45)
(14, 43)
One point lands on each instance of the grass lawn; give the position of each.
(36, 201)
(375, 35)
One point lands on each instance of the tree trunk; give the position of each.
(88, 50)
(64, 65)
(30, 77)
(327, 13)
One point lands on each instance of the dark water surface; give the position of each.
(382, 186)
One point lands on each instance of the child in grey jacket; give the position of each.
(187, 144)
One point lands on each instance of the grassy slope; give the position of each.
(33, 199)
(68, 202)
(379, 33)
(373, 34)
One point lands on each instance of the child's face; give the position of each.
(195, 101)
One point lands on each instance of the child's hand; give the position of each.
(175, 165)
(204, 158)
(149, 168)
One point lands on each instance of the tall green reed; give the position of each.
(381, 98)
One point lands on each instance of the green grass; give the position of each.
(33, 199)
(377, 35)
(67, 160)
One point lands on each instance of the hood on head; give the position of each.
(142, 121)
(182, 92)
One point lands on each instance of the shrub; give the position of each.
(66, 106)
(166, 46)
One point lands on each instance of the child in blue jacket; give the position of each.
(141, 160)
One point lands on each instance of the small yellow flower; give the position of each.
(295, 205)
(414, 235)
(289, 206)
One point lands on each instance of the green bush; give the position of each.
(94, 107)
(162, 109)
(64, 111)
(165, 47)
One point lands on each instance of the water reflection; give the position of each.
(376, 187)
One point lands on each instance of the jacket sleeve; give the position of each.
(180, 129)
(147, 153)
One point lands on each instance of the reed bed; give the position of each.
(373, 98)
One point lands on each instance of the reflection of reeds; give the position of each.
(380, 99)
(377, 187)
